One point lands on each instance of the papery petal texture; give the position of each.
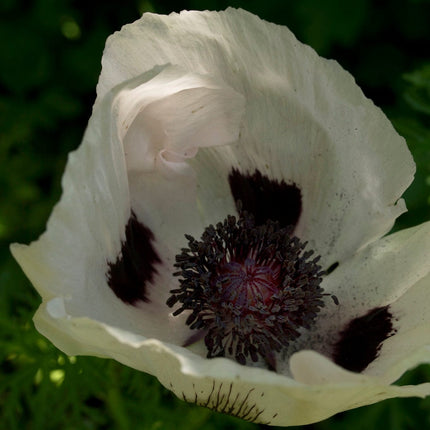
(313, 114)
(317, 390)
(183, 101)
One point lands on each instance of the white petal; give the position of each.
(377, 276)
(221, 384)
(86, 226)
(306, 122)
(85, 231)
(382, 272)
(132, 158)
(175, 113)
(410, 345)
(310, 367)
(163, 122)
(343, 389)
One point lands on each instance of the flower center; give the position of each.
(249, 289)
(245, 284)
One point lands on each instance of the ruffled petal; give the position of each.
(388, 273)
(382, 272)
(250, 393)
(409, 345)
(342, 389)
(172, 115)
(132, 163)
(162, 123)
(86, 227)
(306, 123)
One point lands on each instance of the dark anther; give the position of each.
(335, 299)
(250, 288)
(362, 339)
(332, 268)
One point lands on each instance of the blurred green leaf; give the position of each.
(418, 92)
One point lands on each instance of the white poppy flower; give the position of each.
(201, 116)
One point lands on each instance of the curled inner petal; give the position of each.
(172, 111)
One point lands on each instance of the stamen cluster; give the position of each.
(248, 288)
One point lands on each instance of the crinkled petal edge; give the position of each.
(254, 394)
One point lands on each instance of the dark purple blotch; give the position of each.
(362, 338)
(266, 199)
(134, 269)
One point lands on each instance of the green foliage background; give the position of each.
(50, 54)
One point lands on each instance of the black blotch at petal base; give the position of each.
(361, 340)
(134, 268)
(266, 199)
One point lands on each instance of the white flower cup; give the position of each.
(182, 101)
